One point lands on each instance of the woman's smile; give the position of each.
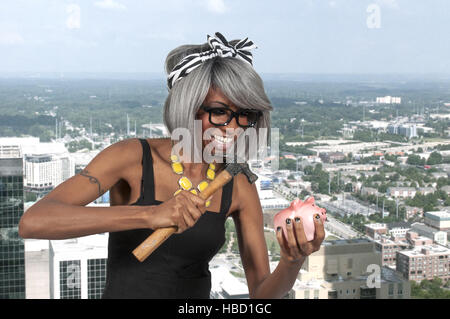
(222, 143)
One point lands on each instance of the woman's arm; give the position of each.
(61, 213)
(57, 220)
(249, 227)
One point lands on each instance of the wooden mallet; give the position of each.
(161, 234)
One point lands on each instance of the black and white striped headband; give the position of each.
(219, 48)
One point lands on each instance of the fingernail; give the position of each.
(278, 228)
(318, 219)
(288, 221)
(297, 219)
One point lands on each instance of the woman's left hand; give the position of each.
(296, 247)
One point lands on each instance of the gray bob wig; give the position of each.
(236, 79)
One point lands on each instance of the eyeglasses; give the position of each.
(222, 116)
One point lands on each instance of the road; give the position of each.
(337, 227)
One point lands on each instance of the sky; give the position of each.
(293, 36)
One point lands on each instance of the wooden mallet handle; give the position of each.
(153, 241)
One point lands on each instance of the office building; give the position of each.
(45, 165)
(388, 249)
(415, 240)
(424, 262)
(389, 100)
(439, 220)
(225, 285)
(37, 270)
(349, 269)
(66, 269)
(43, 172)
(78, 267)
(438, 236)
(398, 229)
(408, 130)
(331, 157)
(12, 263)
(375, 230)
(402, 192)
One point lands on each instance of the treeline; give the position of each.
(106, 102)
(372, 136)
(434, 159)
(430, 289)
(42, 126)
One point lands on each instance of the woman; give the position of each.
(216, 84)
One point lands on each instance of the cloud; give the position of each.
(110, 4)
(216, 6)
(10, 38)
(73, 20)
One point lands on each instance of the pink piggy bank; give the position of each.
(306, 211)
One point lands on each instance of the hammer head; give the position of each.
(236, 168)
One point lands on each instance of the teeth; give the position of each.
(222, 139)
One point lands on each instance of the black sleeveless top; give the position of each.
(179, 268)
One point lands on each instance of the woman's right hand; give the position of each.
(181, 211)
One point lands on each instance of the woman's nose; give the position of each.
(233, 123)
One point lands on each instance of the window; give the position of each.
(391, 289)
(69, 280)
(316, 294)
(400, 288)
(96, 277)
(350, 263)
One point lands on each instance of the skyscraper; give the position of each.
(12, 264)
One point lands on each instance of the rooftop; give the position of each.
(388, 241)
(438, 215)
(425, 228)
(222, 279)
(400, 224)
(376, 226)
(420, 251)
(401, 188)
(346, 241)
(79, 245)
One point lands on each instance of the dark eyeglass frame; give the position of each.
(209, 110)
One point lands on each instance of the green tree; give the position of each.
(435, 158)
(429, 289)
(415, 160)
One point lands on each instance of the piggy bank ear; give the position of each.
(310, 200)
(295, 202)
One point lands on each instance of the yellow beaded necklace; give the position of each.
(186, 184)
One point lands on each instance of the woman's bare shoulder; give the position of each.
(130, 150)
(160, 147)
